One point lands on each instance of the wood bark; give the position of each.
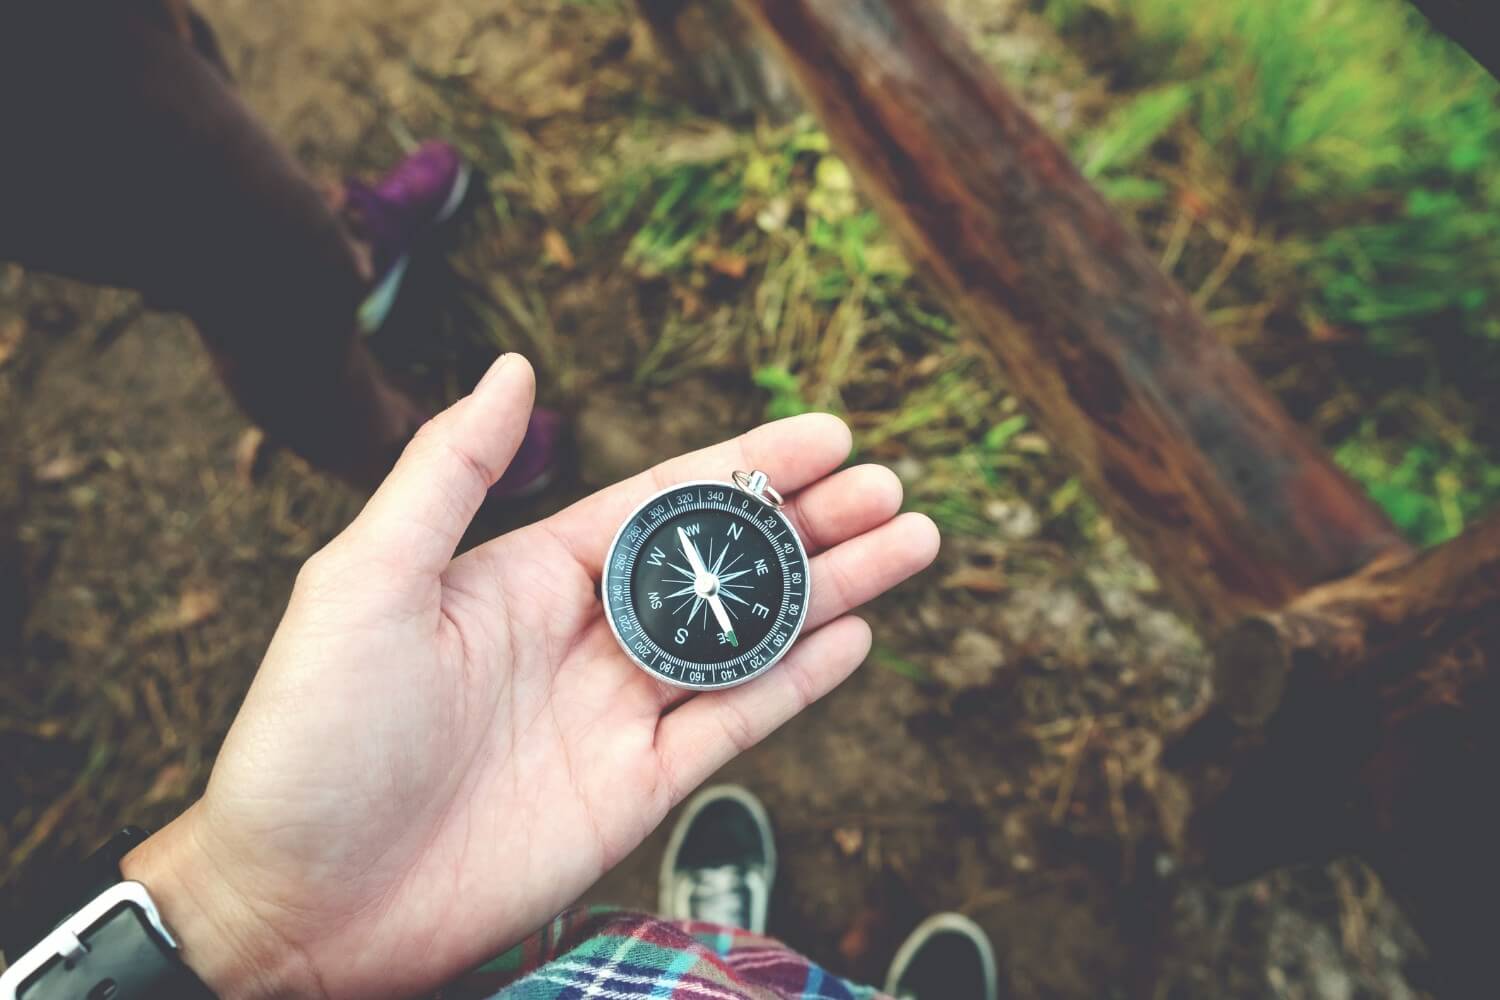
(721, 59)
(1219, 490)
(1364, 718)
(1356, 709)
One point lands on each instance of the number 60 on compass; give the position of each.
(706, 584)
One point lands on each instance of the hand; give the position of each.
(438, 754)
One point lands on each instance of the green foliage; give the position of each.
(747, 198)
(888, 659)
(1378, 139)
(1431, 489)
(1367, 148)
(1134, 126)
(1431, 259)
(835, 320)
(1003, 433)
(1315, 97)
(685, 203)
(785, 391)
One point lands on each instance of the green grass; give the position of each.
(1323, 175)
(812, 299)
(1431, 486)
(1366, 149)
(888, 659)
(1362, 150)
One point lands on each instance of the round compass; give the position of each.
(706, 584)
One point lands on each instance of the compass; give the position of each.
(706, 584)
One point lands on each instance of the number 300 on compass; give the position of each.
(706, 584)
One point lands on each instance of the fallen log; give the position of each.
(1356, 711)
(1364, 719)
(1219, 490)
(718, 57)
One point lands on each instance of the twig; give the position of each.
(1074, 758)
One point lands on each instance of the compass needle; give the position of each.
(720, 561)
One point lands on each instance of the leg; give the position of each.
(710, 939)
(130, 162)
(714, 889)
(614, 953)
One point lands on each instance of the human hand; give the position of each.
(438, 754)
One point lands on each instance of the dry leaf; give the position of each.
(250, 456)
(11, 332)
(731, 265)
(1321, 330)
(932, 363)
(850, 839)
(865, 936)
(60, 468)
(707, 144)
(194, 607)
(1193, 203)
(979, 579)
(555, 248)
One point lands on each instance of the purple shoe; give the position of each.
(535, 464)
(415, 197)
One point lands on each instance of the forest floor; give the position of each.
(996, 756)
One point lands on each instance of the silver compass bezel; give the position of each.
(796, 629)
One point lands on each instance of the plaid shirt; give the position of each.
(615, 955)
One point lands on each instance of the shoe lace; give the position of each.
(721, 896)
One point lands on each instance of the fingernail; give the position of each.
(500, 363)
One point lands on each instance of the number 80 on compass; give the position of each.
(706, 584)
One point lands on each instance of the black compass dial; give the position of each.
(706, 586)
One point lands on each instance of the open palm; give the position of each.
(438, 754)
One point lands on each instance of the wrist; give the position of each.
(228, 942)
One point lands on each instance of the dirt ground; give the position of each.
(996, 756)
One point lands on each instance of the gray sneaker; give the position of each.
(720, 861)
(948, 957)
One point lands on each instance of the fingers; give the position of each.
(866, 566)
(793, 452)
(420, 512)
(710, 730)
(845, 504)
(854, 571)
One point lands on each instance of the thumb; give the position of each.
(426, 503)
